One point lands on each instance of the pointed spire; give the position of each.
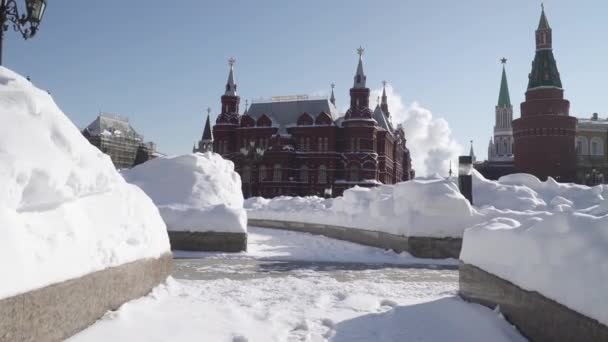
(332, 99)
(450, 172)
(360, 75)
(504, 100)
(230, 84)
(471, 152)
(544, 68)
(246, 107)
(384, 103)
(207, 134)
(543, 24)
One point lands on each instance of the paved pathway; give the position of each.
(299, 287)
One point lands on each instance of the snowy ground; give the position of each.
(298, 287)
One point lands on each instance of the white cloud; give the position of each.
(429, 139)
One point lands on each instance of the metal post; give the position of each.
(465, 177)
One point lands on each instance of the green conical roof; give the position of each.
(543, 24)
(504, 100)
(544, 71)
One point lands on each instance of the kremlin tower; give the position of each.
(544, 135)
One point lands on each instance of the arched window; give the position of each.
(597, 146)
(582, 145)
(322, 175)
(353, 174)
(246, 174)
(594, 148)
(262, 174)
(277, 175)
(304, 174)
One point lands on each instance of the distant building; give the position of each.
(592, 150)
(114, 136)
(300, 145)
(500, 148)
(544, 135)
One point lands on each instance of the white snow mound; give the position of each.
(64, 210)
(194, 192)
(433, 206)
(563, 256)
(421, 207)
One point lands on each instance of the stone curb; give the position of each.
(421, 247)
(538, 318)
(208, 241)
(58, 311)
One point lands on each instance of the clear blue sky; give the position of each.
(161, 63)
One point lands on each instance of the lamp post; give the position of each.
(26, 24)
(251, 155)
(465, 177)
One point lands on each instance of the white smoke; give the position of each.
(429, 139)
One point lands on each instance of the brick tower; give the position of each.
(544, 135)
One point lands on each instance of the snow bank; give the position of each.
(563, 256)
(194, 192)
(433, 207)
(422, 207)
(64, 210)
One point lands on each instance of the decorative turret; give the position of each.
(230, 85)
(360, 77)
(206, 142)
(384, 103)
(501, 147)
(504, 100)
(359, 94)
(230, 99)
(544, 69)
(332, 99)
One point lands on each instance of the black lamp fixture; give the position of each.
(26, 24)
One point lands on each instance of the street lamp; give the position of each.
(27, 24)
(465, 177)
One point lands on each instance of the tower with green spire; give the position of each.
(500, 147)
(544, 135)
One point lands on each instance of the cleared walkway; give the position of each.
(298, 287)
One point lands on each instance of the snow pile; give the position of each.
(563, 256)
(194, 192)
(433, 206)
(64, 210)
(422, 207)
(526, 192)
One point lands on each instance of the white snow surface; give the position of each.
(304, 305)
(194, 192)
(432, 206)
(64, 210)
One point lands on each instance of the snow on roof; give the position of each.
(285, 112)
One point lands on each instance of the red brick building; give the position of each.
(544, 135)
(299, 145)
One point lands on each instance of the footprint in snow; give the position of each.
(388, 302)
(240, 338)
